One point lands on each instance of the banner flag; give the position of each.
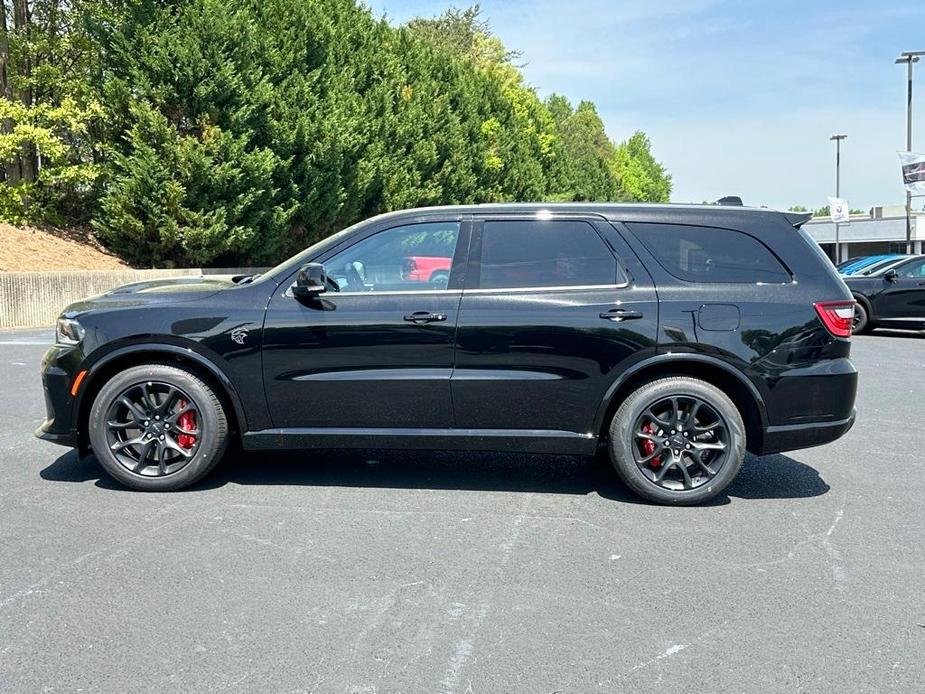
(839, 210)
(913, 171)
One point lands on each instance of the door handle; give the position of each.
(620, 314)
(425, 317)
(921, 284)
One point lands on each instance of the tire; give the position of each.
(861, 319)
(716, 422)
(174, 458)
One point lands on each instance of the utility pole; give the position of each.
(910, 58)
(838, 138)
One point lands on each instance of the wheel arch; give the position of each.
(864, 301)
(743, 393)
(156, 353)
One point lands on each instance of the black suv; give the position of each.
(675, 337)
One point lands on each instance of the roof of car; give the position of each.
(627, 211)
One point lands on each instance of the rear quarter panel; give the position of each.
(779, 343)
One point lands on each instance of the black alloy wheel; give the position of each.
(158, 427)
(677, 440)
(682, 442)
(152, 428)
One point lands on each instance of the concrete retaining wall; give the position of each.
(35, 299)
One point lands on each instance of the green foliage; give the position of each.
(56, 134)
(231, 131)
(824, 211)
(586, 170)
(639, 175)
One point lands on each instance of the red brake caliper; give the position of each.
(648, 447)
(187, 421)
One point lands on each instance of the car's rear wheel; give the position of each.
(677, 441)
(861, 319)
(157, 427)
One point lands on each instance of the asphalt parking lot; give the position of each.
(442, 572)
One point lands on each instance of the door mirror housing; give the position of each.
(311, 280)
(891, 275)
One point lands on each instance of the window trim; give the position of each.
(474, 287)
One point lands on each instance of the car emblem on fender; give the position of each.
(239, 335)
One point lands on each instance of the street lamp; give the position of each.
(838, 138)
(909, 58)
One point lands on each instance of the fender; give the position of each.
(167, 348)
(679, 357)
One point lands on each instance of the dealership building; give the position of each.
(881, 231)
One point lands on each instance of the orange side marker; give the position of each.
(75, 386)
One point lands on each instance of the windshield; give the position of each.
(867, 263)
(850, 267)
(882, 266)
(845, 264)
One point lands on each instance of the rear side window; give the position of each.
(710, 254)
(517, 254)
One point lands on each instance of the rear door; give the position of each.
(549, 318)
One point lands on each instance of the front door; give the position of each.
(375, 351)
(905, 297)
(548, 321)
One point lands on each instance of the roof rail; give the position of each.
(734, 200)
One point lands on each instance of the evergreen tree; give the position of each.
(236, 131)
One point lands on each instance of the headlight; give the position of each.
(68, 332)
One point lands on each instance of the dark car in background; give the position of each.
(853, 265)
(867, 264)
(673, 337)
(891, 296)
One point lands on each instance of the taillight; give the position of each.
(837, 316)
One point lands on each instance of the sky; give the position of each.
(738, 98)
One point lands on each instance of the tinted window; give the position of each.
(544, 254)
(416, 257)
(916, 269)
(708, 254)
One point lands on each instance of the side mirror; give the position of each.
(891, 275)
(311, 280)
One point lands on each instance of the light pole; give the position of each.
(910, 58)
(838, 138)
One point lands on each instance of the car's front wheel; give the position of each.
(861, 319)
(157, 427)
(678, 441)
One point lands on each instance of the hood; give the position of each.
(172, 286)
(146, 292)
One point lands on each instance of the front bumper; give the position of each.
(58, 366)
(791, 437)
(45, 433)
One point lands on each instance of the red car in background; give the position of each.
(422, 268)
